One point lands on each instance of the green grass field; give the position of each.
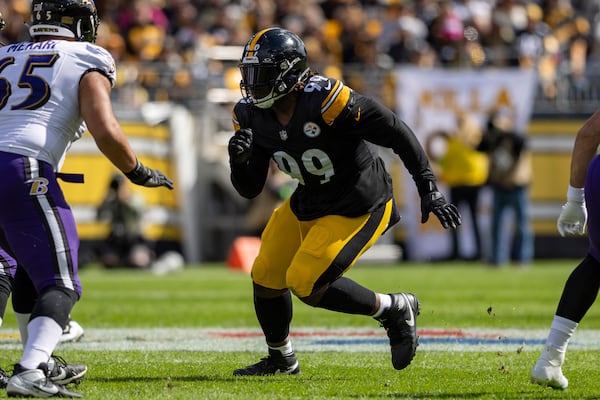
(453, 296)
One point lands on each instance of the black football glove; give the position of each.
(436, 203)
(240, 146)
(144, 176)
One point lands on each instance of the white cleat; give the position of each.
(545, 374)
(73, 332)
(35, 383)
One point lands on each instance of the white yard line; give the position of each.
(310, 339)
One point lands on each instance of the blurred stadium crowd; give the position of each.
(356, 40)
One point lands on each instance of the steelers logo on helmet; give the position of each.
(274, 61)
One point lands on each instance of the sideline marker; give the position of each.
(242, 253)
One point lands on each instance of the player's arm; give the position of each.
(249, 179)
(96, 110)
(249, 164)
(377, 124)
(585, 148)
(573, 215)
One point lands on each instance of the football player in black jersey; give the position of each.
(318, 131)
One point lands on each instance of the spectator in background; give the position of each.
(446, 34)
(125, 245)
(144, 27)
(404, 36)
(509, 179)
(465, 171)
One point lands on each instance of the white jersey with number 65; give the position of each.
(39, 99)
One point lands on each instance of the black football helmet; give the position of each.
(71, 18)
(273, 62)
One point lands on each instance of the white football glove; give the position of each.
(573, 216)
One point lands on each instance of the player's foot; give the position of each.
(35, 383)
(546, 374)
(73, 332)
(3, 378)
(63, 373)
(400, 324)
(274, 364)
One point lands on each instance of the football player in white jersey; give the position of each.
(51, 90)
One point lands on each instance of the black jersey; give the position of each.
(325, 147)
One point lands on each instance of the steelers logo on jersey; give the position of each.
(311, 129)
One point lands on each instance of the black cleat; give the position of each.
(3, 378)
(274, 364)
(401, 327)
(62, 373)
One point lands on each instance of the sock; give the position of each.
(285, 350)
(561, 331)
(22, 321)
(44, 334)
(385, 302)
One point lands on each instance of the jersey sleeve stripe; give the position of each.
(236, 123)
(333, 105)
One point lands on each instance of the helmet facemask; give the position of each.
(264, 83)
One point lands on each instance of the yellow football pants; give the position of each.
(305, 255)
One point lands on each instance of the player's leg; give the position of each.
(579, 293)
(330, 248)
(7, 266)
(500, 245)
(41, 232)
(472, 199)
(272, 299)
(456, 198)
(523, 237)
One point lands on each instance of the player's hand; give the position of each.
(240, 146)
(144, 176)
(572, 218)
(434, 202)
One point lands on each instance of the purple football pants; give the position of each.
(592, 201)
(38, 231)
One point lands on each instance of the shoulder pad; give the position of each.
(93, 58)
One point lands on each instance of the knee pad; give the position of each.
(55, 303)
